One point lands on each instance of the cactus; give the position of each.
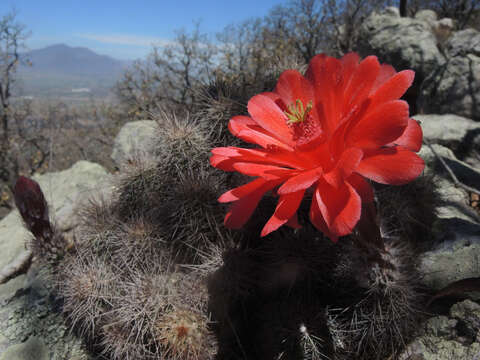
(154, 274)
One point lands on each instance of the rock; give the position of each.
(32, 349)
(454, 87)
(448, 337)
(454, 257)
(456, 249)
(392, 11)
(464, 172)
(426, 15)
(443, 29)
(403, 42)
(448, 129)
(133, 138)
(29, 310)
(464, 42)
(26, 307)
(63, 190)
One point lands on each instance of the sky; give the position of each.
(126, 29)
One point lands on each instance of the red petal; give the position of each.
(229, 151)
(241, 210)
(317, 219)
(385, 73)
(301, 181)
(261, 156)
(248, 130)
(349, 62)
(292, 85)
(394, 166)
(394, 88)
(287, 206)
(386, 123)
(242, 191)
(293, 222)
(268, 172)
(362, 187)
(347, 163)
(411, 137)
(238, 123)
(341, 208)
(269, 116)
(325, 73)
(362, 82)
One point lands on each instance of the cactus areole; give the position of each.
(330, 130)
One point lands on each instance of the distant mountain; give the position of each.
(62, 70)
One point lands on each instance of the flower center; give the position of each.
(296, 113)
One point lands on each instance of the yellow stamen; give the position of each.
(297, 113)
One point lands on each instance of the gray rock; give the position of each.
(464, 42)
(448, 337)
(454, 87)
(392, 11)
(25, 308)
(426, 15)
(455, 257)
(32, 349)
(30, 310)
(132, 140)
(456, 253)
(403, 42)
(448, 129)
(63, 190)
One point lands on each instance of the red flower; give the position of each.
(328, 130)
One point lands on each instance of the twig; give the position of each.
(456, 182)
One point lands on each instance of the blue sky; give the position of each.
(126, 29)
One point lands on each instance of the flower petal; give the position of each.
(341, 208)
(269, 116)
(241, 210)
(241, 191)
(394, 166)
(411, 137)
(386, 123)
(393, 88)
(385, 73)
(301, 181)
(362, 82)
(248, 130)
(261, 156)
(317, 219)
(347, 163)
(349, 64)
(287, 207)
(325, 74)
(268, 172)
(292, 86)
(362, 187)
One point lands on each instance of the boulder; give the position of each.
(26, 307)
(403, 42)
(448, 129)
(454, 87)
(459, 134)
(456, 249)
(426, 15)
(448, 337)
(132, 140)
(63, 191)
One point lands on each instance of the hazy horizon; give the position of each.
(122, 29)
